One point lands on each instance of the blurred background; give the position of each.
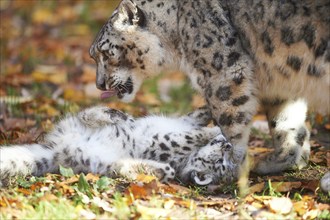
(46, 70)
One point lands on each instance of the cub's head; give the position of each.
(126, 52)
(212, 164)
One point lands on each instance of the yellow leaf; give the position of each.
(145, 178)
(51, 74)
(73, 94)
(43, 15)
(49, 110)
(300, 207)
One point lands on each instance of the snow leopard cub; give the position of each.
(109, 142)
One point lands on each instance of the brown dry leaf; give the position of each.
(5, 202)
(36, 185)
(48, 197)
(285, 186)
(280, 205)
(148, 99)
(64, 188)
(17, 123)
(311, 185)
(185, 203)
(319, 118)
(71, 180)
(142, 190)
(174, 188)
(328, 158)
(259, 187)
(318, 157)
(88, 74)
(24, 191)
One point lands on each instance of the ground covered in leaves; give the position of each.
(46, 71)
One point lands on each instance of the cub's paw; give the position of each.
(164, 172)
(100, 116)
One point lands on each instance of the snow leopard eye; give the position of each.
(219, 161)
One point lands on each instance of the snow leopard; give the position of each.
(240, 55)
(109, 142)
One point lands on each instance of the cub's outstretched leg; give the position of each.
(290, 136)
(131, 168)
(100, 116)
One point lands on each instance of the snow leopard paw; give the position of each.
(164, 172)
(101, 116)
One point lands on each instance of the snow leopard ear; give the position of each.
(128, 13)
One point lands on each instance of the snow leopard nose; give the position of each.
(228, 146)
(100, 84)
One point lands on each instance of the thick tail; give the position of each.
(22, 160)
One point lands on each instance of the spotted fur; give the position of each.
(109, 142)
(238, 54)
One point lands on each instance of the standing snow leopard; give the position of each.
(238, 54)
(109, 142)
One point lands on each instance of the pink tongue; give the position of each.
(108, 94)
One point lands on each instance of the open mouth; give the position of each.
(201, 180)
(119, 90)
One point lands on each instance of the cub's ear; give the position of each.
(128, 13)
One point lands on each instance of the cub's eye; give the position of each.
(219, 160)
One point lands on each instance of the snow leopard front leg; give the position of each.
(286, 121)
(100, 116)
(221, 70)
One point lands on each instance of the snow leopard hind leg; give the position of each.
(286, 121)
(22, 160)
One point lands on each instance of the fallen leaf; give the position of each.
(300, 207)
(152, 213)
(73, 94)
(24, 191)
(53, 74)
(285, 186)
(145, 178)
(48, 197)
(311, 185)
(312, 214)
(148, 99)
(141, 190)
(259, 187)
(280, 205)
(44, 15)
